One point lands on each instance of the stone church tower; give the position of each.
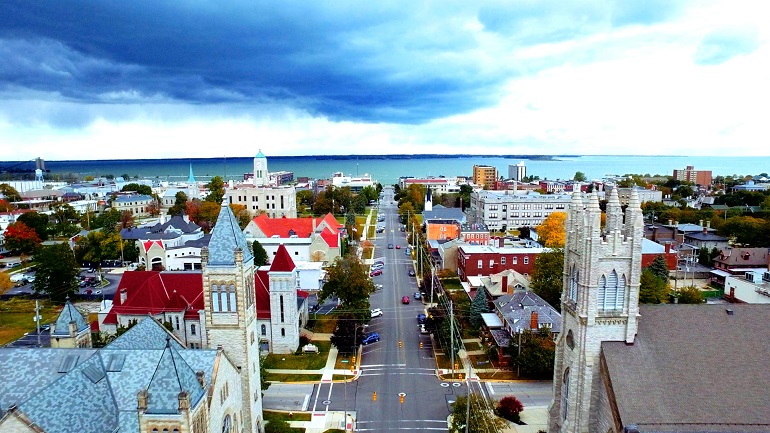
(600, 302)
(284, 316)
(230, 310)
(260, 170)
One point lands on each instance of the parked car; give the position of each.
(423, 330)
(405, 300)
(370, 338)
(417, 295)
(421, 318)
(398, 247)
(411, 273)
(375, 272)
(376, 312)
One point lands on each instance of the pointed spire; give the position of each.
(226, 237)
(191, 178)
(260, 154)
(614, 211)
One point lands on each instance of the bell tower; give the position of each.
(230, 310)
(600, 302)
(260, 170)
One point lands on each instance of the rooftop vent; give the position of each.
(729, 311)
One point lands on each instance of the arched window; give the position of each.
(283, 332)
(565, 394)
(281, 299)
(215, 306)
(611, 292)
(231, 293)
(570, 340)
(573, 284)
(226, 424)
(264, 330)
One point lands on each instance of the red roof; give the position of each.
(302, 227)
(331, 239)
(262, 292)
(282, 261)
(151, 292)
(148, 244)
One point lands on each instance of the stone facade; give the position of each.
(600, 302)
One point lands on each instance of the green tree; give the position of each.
(690, 295)
(348, 333)
(180, 204)
(348, 279)
(37, 222)
(580, 176)
(482, 420)
(278, 425)
(359, 204)
(370, 193)
(479, 305)
(652, 289)
(216, 189)
(57, 272)
(464, 197)
(140, 189)
(659, 267)
(64, 217)
(547, 276)
(304, 200)
(9, 192)
(242, 214)
(538, 352)
(263, 382)
(260, 255)
(107, 220)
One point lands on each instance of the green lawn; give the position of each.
(323, 324)
(275, 377)
(304, 361)
(16, 317)
(298, 416)
(452, 284)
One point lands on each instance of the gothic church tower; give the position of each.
(260, 170)
(600, 302)
(230, 310)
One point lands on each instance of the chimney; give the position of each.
(668, 247)
(141, 400)
(123, 296)
(313, 219)
(504, 284)
(669, 222)
(708, 224)
(705, 230)
(654, 233)
(200, 375)
(500, 242)
(533, 323)
(184, 401)
(700, 223)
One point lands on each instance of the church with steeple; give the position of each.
(625, 368)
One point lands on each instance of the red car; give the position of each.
(405, 300)
(375, 272)
(398, 247)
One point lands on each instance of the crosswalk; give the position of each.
(402, 424)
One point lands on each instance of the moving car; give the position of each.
(423, 330)
(376, 312)
(398, 247)
(405, 300)
(421, 318)
(375, 272)
(370, 338)
(411, 273)
(390, 246)
(417, 295)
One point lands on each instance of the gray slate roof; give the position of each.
(68, 315)
(95, 390)
(225, 238)
(444, 213)
(694, 368)
(518, 307)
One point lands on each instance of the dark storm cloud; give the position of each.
(382, 64)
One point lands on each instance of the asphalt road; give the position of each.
(386, 368)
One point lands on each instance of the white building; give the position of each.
(506, 208)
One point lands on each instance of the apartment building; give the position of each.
(690, 174)
(484, 175)
(505, 209)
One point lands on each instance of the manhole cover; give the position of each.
(326, 402)
(444, 385)
(457, 384)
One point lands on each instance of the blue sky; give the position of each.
(146, 79)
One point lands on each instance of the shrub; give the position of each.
(303, 340)
(509, 408)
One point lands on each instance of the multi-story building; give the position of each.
(517, 172)
(355, 183)
(481, 260)
(474, 233)
(690, 174)
(505, 209)
(645, 195)
(441, 185)
(136, 204)
(484, 175)
(275, 202)
(441, 229)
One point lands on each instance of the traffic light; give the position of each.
(461, 376)
(352, 367)
(400, 344)
(401, 399)
(421, 345)
(354, 359)
(374, 396)
(456, 367)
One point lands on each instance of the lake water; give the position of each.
(387, 169)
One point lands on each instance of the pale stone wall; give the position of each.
(276, 202)
(12, 424)
(226, 398)
(285, 333)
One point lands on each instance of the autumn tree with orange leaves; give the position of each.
(552, 233)
(20, 237)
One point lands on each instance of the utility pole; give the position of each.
(452, 336)
(468, 405)
(37, 321)
(432, 282)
